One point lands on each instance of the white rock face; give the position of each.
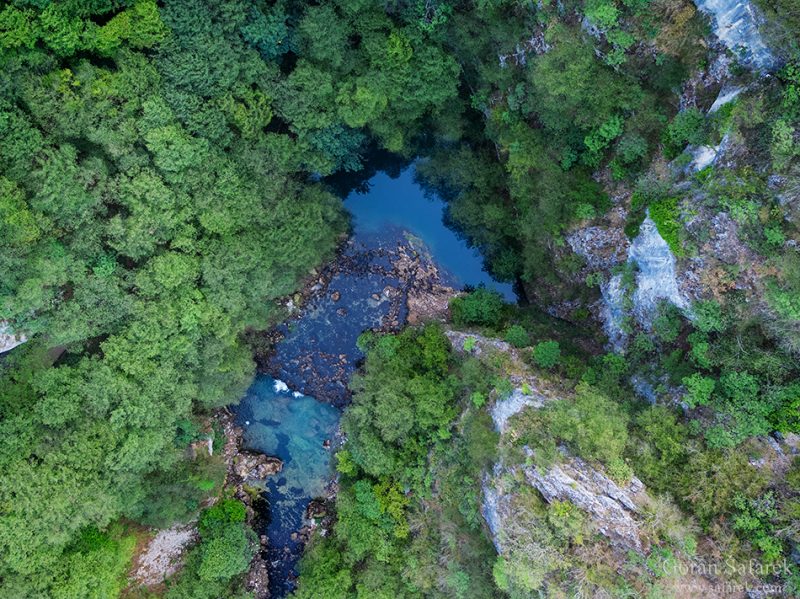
(494, 506)
(656, 279)
(613, 311)
(504, 409)
(612, 508)
(8, 339)
(735, 23)
(726, 95)
(703, 156)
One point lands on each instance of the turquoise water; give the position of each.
(293, 427)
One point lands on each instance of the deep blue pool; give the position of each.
(402, 203)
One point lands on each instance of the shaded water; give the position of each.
(401, 202)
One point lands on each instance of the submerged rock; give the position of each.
(250, 465)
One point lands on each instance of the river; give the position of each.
(396, 229)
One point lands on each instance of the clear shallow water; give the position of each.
(402, 203)
(292, 427)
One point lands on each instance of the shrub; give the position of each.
(666, 215)
(517, 336)
(478, 399)
(688, 127)
(708, 316)
(592, 425)
(698, 389)
(619, 471)
(712, 479)
(547, 354)
(661, 449)
(481, 307)
(602, 13)
(667, 325)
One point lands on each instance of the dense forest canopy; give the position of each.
(162, 184)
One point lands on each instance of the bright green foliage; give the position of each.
(658, 448)
(404, 399)
(755, 521)
(688, 127)
(224, 551)
(410, 491)
(698, 389)
(155, 200)
(666, 214)
(591, 425)
(547, 354)
(95, 565)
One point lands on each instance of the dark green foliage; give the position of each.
(658, 448)
(410, 486)
(712, 480)
(404, 400)
(668, 322)
(480, 307)
(688, 127)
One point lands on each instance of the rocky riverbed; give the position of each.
(376, 283)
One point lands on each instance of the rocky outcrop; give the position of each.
(376, 283)
(8, 338)
(245, 469)
(163, 554)
(601, 247)
(736, 24)
(520, 398)
(656, 278)
(613, 508)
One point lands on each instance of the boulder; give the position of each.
(256, 466)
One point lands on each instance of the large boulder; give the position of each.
(256, 466)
